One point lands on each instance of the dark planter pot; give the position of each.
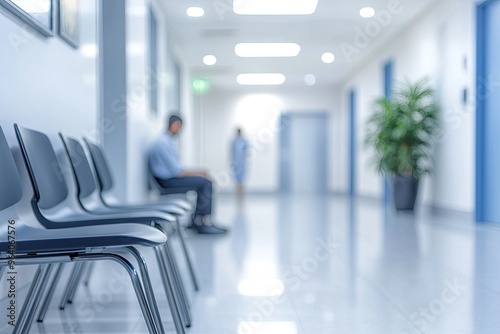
(404, 190)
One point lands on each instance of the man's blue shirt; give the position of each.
(164, 158)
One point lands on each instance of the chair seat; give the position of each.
(171, 209)
(67, 218)
(34, 240)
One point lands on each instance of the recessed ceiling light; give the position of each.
(367, 12)
(275, 7)
(328, 57)
(261, 79)
(195, 11)
(209, 60)
(310, 80)
(267, 49)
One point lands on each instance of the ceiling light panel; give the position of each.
(195, 11)
(274, 7)
(261, 79)
(267, 49)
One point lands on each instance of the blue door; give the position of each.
(303, 152)
(488, 112)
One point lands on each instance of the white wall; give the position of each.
(142, 124)
(220, 112)
(47, 85)
(434, 46)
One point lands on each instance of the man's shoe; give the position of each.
(205, 229)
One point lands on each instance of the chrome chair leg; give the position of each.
(50, 293)
(88, 273)
(175, 268)
(39, 294)
(178, 287)
(177, 284)
(72, 278)
(2, 271)
(78, 279)
(148, 287)
(192, 273)
(169, 290)
(139, 291)
(27, 313)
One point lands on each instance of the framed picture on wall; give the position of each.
(69, 23)
(39, 14)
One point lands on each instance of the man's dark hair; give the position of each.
(172, 119)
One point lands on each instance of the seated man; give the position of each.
(166, 167)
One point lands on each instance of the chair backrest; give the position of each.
(10, 189)
(101, 166)
(86, 183)
(152, 182)
(45, 171)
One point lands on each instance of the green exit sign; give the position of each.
(200, 86)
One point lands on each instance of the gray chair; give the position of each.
(55, 209)
(29, 243)
(106, 183)
(105, 186)
(89, 200)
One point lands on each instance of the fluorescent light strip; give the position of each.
(274, 7)
(260, 79)
(267, 49)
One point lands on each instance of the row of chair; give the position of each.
(82, 227)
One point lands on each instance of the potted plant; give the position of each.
(401, 131)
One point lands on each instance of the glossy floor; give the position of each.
(313, 264)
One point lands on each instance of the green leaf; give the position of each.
(402, 129)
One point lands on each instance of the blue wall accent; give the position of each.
(284, 153)
(480, 70)
(153, 61)
(388, 86)
(113, 89)
(352, 143)
(487, 199)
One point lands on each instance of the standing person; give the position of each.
(239, 153)
(168, 170)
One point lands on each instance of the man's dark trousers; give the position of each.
(201, 185)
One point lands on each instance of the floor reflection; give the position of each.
(486, 301)
(323, 264)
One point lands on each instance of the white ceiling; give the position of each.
(334, 24)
